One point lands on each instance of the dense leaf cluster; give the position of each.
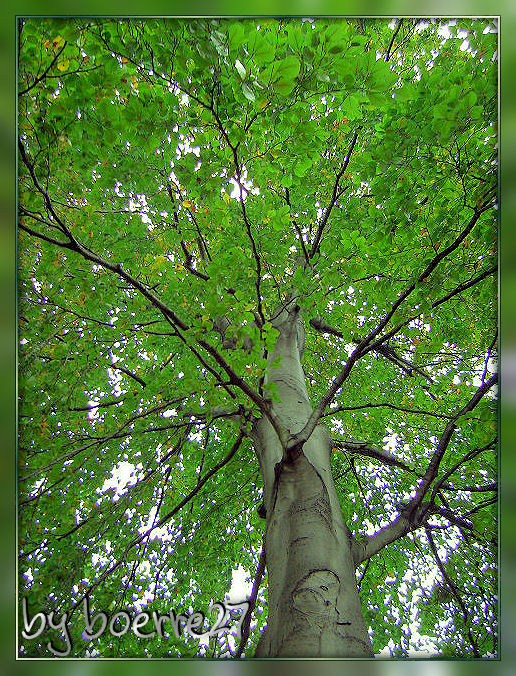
(176, 172)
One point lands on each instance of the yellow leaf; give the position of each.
(159, 263)
(45, 432)
(56, 43)
(63, 65)
(187, 204)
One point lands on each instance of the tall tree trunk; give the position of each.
(314, 608)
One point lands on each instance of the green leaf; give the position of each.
(283, 87)
(287, 181)
(352, 107)
(302, 167)
(236, 35)
(288, 68)
(382, 76)
(218, 41)
(241, 69)
(248, 92)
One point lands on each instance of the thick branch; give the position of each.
(415, 513)
(235, 379)
(450, 515)
(487, 488)
(320, 325)
(446, 436)
(45, 238)
(469, 456)
(362, 448)
(297, 440)
(453, 588)
(415, 411)
(362, 550)
(189, 264)
(387, 351)
(391, 43)
(129, 373)
(45, 73)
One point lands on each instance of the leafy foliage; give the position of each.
(173, 172)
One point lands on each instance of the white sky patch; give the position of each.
(161, 533)
(421, 26)
(240, 590)
(36, 487)
(123, 475)
(94, 410)
(246, 185)
(36, 285)
(184, 148)
(240, 585)
(169, 413)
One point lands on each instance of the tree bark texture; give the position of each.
(314, 607)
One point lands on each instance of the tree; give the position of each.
(257, 300)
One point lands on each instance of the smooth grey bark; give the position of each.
(314, 607)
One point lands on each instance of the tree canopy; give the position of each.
(179, 180)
